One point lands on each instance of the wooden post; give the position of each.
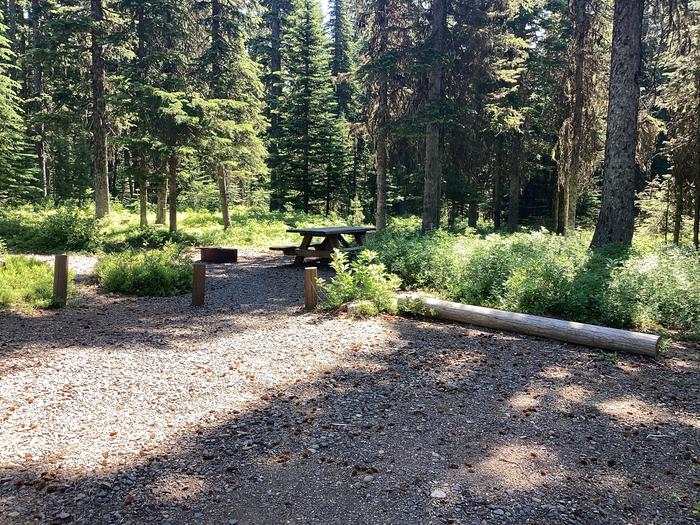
(571, 332)
(310, 288)
(60, 279)
(199, 276)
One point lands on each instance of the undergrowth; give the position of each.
(163, 272)
(649, 286)
(26, 284)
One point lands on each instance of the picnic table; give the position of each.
(333, 238)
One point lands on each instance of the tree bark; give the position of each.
(223, 195)
(37, 93)
(99, 113)
(172, 190)
(161, 201)
(678, 209)
(497, 198)
(563, 208)
(275, 94)
(217, 90)
(514, 185)
(616, 220)
(473, 215)
(381, 153)
(142, 181)
(433, 159)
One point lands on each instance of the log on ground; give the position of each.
(571, 332)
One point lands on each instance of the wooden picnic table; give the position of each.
(333, 238)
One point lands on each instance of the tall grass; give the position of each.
(26, 284)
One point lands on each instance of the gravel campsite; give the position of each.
(251, 410)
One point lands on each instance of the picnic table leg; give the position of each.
(342, 240)
(360, 239)
(305, 243)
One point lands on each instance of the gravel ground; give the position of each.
(251, 411)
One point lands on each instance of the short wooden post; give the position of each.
(60, 279)
(199, 276)
(310, 288)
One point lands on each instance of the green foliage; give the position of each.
(63, 229)
(364, 280)
(314, 146)
(157, 237)
(157, 273)
(26, 283)
(649, 286)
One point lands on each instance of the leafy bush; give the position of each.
(364, 280)
(649, 286)
(156, 237)
(147, 272)
(63, 229)
(26, 283)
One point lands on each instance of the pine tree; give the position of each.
(15, 175)
(234, 126)
(616, 221)
(314, 144)
(342, 58)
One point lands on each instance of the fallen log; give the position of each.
(568, 331)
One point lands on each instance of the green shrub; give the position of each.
(158, 273)
(649, 286)
(156, 237)
(365, 280)
(26, 283)
(63, 229)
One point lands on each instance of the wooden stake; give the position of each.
(60, 279)
(571, 332)
(310, 288)
(199, 276)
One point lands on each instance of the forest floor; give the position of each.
(252, 411)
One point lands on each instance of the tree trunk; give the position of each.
(223, 195)
(172, 190)
(275, 95)
(616, 220)
(99, 113)
(381, 154)
(37, 92)
(161, 201)
(678, 209)
(696, 214)
(433, 159)
(142, 181)
(473, 215)
(497, 198)
(514, 185)
(563, 207)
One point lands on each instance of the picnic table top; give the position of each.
(332, 230)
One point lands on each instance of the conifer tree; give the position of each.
(314, 144)
(15, 175)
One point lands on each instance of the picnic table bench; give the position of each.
(332, 239)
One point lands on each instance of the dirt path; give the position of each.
(251, 411)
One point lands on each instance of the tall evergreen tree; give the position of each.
(616, 220)
(314, 145)
(15, 177)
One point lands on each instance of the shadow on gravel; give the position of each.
(442, 424)
(446, 425)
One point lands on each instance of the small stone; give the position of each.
(63, 515)
(368, 478)
(499, 512)
(12, 514)
(438, 493)
(232, 522)
(198, 515)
